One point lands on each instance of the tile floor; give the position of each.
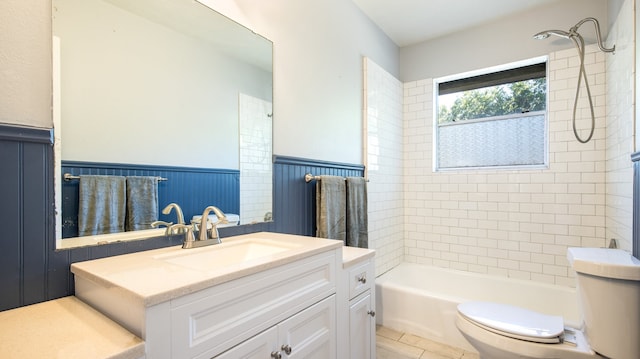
(395, 345)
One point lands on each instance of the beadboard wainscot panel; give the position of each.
(192, 188)
(294, 199)
(26, 207)
(32, 270)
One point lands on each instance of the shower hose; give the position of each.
(579, 42)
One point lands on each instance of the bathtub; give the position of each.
(422, 300)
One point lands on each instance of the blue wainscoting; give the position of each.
(32, 270)
(26, 209)
(192, 188)
(294, 200)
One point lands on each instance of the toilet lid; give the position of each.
(514, 322)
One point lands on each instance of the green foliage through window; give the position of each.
(506, 99)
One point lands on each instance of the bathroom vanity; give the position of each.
(356, 339)
(263, 295)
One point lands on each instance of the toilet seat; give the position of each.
(514, 322)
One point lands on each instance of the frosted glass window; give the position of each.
(495, 118)
(508, 141)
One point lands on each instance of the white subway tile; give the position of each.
(509, 223)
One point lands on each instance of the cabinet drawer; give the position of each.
(361, 278)
(206, 323)
(260, 346)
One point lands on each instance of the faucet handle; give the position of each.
(157, 224)
(213, 232)
(189, 237)
(196, 225)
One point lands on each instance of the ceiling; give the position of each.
(408, 22)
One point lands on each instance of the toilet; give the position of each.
(608, 283)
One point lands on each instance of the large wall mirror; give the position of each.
(163, 83)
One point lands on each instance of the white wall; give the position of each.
(505, 40)
(318, 50)
(637, 72)
(25, 63)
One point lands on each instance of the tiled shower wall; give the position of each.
(620, 120)
(255, 158)
(383, 148)
(515, 223)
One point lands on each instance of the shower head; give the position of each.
(544, 34)
(578, 41)
(573, 34)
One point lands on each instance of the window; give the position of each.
(494, 118)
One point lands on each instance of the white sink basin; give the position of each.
(158, 275)
(226, 254)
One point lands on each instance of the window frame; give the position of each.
(480, 72)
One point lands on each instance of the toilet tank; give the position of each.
(609, 291)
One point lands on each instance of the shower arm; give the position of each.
(578, 41)
(596, 24)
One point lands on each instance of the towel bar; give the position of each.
(69, 177)
(309, 177)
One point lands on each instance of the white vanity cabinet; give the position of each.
(357, 326)
(283, 306)
(308, 334)
(206, 323)
(362, 327)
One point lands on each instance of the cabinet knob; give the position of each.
(372, 313)
(286, 348)
(276, 355)
(362, 279)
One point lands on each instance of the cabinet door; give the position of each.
(310, 334)
(258, 347)
(362, 327)
(208, 322)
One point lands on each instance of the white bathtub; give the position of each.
(422, 300)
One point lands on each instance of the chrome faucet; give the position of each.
(171, 227)
(175, 206)
(207, 236)
(211, 234)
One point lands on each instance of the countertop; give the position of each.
(64, 328)
(68, 328)
(354, 255)
(146, 277)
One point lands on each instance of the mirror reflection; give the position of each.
(163, 86)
